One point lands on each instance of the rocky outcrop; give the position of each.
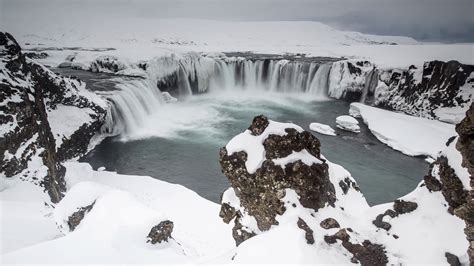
(442, 177)
(161, 232)
(430, 91)
(44, 119)
(261, 193)
(465, 145)
(329, 223)
(268, 194)
(75, 219)
(366, 253)
(437, 90)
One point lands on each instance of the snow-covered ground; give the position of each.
(126, 207)
(142, 39)
(409, 134)
(115, 230)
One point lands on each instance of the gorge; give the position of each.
(167, 117)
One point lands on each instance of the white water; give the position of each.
(139, 100)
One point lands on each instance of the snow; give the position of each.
(348, 123)
(431, 223)
(140, 39)
(322, 129)
(24, 219)
(65, 120)
(126, 207)
(303, 155)
(115, 230)
(253, 145)
(400, 131)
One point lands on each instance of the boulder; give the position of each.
(161, 232)
(329, 223)
(75, 219)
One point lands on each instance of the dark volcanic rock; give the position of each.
(239, 233)
(227, 213)
(421, 91)
(465, 145)
(329, 223)
(453, 260)
(161, 232)
(29, 94)
(308, 231)
(366, 253)
(401, 206)
(261, 193)
(378, 222)
(259, 124)
(346, 184)
(75, 219)
(449, 184)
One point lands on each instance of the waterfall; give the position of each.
(138, 99)
(270, 75)
(371, 82)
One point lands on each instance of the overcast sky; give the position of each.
(426, 20)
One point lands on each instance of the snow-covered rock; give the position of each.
(439, 90)
(45, 119)
(401, 132)
(401, 232)
(436, 90)
(322, 129)
(348, 123)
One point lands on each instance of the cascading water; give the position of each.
(271, 75)
(138, 99)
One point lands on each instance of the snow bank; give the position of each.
(115, 230)
(348, 123)
(322, 129)
(408, 134)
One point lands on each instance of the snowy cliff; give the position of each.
(437, 90)
(45, 119)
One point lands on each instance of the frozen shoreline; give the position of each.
(402, 132)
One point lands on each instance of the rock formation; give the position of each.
(44, 119)
(75, 219)
(279, 179)
(261, 193)
(161, 232)
(437, 90)
(465, 145)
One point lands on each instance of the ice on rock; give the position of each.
(348, 123)
(322, 129)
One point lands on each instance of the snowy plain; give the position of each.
(142, 39)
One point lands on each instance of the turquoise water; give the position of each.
(180, 144)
